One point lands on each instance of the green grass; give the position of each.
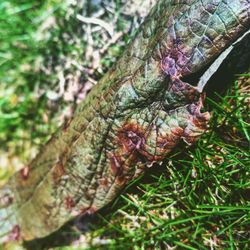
(22, 104)
(39, 41)
(198, 199)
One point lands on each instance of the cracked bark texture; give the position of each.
(139, 111)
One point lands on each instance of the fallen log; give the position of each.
(135, 116)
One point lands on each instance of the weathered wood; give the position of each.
(137, 113)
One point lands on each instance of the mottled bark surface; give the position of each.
(135, 116)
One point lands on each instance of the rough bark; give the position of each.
(140, 110)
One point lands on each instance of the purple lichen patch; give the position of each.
(15, 234)
(69, 203)
(24, 172)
